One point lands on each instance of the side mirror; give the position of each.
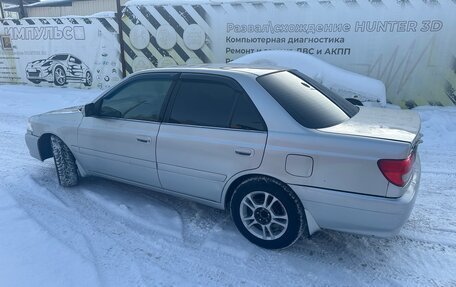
(89, 110)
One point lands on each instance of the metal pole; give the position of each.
(22, 13)
(122, 50)
(1, 10)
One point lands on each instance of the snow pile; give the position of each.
(345, 83)
(104, 14)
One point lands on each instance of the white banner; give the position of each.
(78, 52)
(409, 45)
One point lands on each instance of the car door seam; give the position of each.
(156, 155)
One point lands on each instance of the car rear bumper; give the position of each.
(356, 213)
(32, 144)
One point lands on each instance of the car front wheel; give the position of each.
(59, 76)
(268, 213)
(65, 163)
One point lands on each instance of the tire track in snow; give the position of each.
(125, 249)
(113, 249)
(324, 248)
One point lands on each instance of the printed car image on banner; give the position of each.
(409, 45)
(78, 52)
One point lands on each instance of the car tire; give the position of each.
(35, 81)
(268, 213)
(59, 76)
(65, 163)
(88, 79)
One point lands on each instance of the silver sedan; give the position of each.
(283, 154)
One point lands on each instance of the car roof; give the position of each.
(220, 68)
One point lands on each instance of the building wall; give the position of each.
(8, 14)
(414, 56)
(80, 8)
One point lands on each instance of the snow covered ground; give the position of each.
(103, 233)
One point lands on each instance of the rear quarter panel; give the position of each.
(343, 163)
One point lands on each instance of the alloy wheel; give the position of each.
(263, 215)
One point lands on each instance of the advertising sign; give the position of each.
(409, 45)
(77, 52)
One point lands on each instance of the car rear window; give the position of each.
(307, 101)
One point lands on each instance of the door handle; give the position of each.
(143, 139)
(244, 151)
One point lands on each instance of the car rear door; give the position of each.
(211, 131)
(119, 142)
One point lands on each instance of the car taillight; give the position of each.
(397, 171)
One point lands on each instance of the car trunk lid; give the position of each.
(381, 123)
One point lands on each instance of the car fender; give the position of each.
(63, 123)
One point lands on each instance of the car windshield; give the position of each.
(307, 101)
(60, 57)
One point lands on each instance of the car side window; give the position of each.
(214, 104)
(246, 115)
(203, 103)
(140, 100)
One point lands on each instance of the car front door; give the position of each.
(211, 131)
(119, 142)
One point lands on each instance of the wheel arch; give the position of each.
(44, 146)
(226, 199)
(59, 65)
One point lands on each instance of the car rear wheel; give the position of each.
(59, 76)
(88, 79)
(268, 213)
(65, 163)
